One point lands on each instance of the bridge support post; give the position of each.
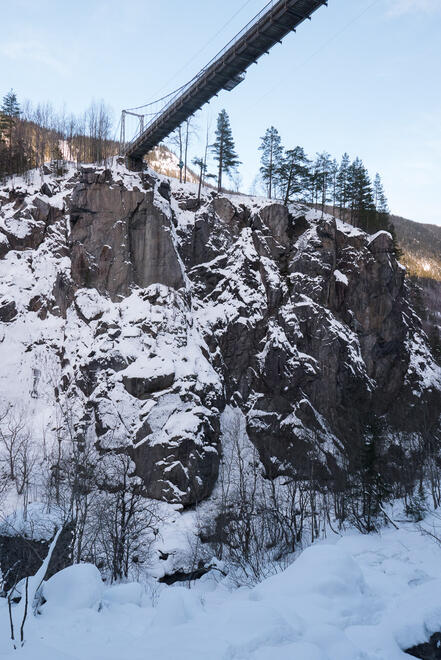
(122, 138)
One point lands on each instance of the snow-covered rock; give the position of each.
(75, 587)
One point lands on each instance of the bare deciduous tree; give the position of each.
(124, 522)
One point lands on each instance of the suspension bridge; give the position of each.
(224, 72)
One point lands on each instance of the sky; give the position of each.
(362, 76)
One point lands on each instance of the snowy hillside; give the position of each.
(164, 161)
(350, 598)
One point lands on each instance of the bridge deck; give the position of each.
(273, 23)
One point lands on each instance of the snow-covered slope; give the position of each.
(350, 598)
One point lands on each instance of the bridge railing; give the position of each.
(182, 90)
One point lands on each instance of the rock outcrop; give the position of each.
(21, 556)
(156, 311)
(120, 237)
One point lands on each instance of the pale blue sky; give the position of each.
(363, 76)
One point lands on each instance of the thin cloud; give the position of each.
(399, 7)
(32, 52)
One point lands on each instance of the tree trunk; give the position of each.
(219, 177)
(200, 183)
(186, 151)
(288, 184)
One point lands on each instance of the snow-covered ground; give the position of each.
(345, 598)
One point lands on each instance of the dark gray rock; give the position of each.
(46, 190)
(39, 304)
(322, 349)
(120, 239)
(21, 557)
(8, 311)
(302, 323)
(4, 245)
(183, 470)
(431, 650)
(141, 387)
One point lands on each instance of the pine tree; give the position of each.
(416, 506)
(343, 186)
(9, 113)
(293, 173)
(271, 159)
(381, 205)
(223, 148)
(334, 173)
(368, 490)
(382, 219)
(398, 253)
(362, 199)
(380, 200)
(323, 168)
(312, 182)
(376, 491)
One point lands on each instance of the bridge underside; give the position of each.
(283, 17)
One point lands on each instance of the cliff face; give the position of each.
(147, 313)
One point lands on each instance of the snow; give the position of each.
(33, 523)
(146, 367)
(90, 304)
(122, 594)
(76, 587)
(374, 237)
(341, 277)
(348, 229)
(350, 597)
(422, 367)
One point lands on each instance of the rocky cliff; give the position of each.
(144, 313)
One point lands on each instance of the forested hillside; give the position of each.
(421, 247)
(31, 135)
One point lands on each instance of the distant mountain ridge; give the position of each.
(421, 246)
